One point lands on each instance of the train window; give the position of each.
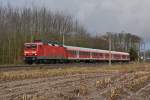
(117, 56)
(107, 55)
(112, 56)
(72, 52)
(31, 46)
(124, 56)
(81, 53)
(84, 53)
(100, 54)
(95, 54)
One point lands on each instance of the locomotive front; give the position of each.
(30, 52)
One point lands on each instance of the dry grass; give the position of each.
(103, 83)
(41, 73)
(131, 83)
(81, 90)
(115, 93)
(30, 97)
(138, 83)
(132, 79)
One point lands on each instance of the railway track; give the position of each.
(28, 67)
(46, 66)
(51, 66)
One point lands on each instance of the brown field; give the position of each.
(116, 82)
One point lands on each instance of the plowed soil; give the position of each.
(79, 86)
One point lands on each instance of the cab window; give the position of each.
(31, 46)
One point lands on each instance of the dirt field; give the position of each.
(127, 82)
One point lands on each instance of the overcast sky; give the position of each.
(100, 16)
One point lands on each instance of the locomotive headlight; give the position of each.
(34, 52)
(30, 53)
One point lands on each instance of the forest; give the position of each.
(21, 25)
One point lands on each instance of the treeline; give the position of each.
(20, 25)
(119, 41)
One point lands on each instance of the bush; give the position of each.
(133, 54)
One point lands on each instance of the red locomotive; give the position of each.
(50, 52)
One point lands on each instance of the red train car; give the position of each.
(41, 52)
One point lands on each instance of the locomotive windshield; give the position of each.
(30, 46)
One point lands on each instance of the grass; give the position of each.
(41, 73)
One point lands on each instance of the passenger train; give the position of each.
(50, 52)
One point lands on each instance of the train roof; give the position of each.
(83, 49)
(40, 43)
(94, 50)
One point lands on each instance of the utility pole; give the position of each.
(138, 50)
(143, 50)
(109, 35)
(63, 39)
(109, 40)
